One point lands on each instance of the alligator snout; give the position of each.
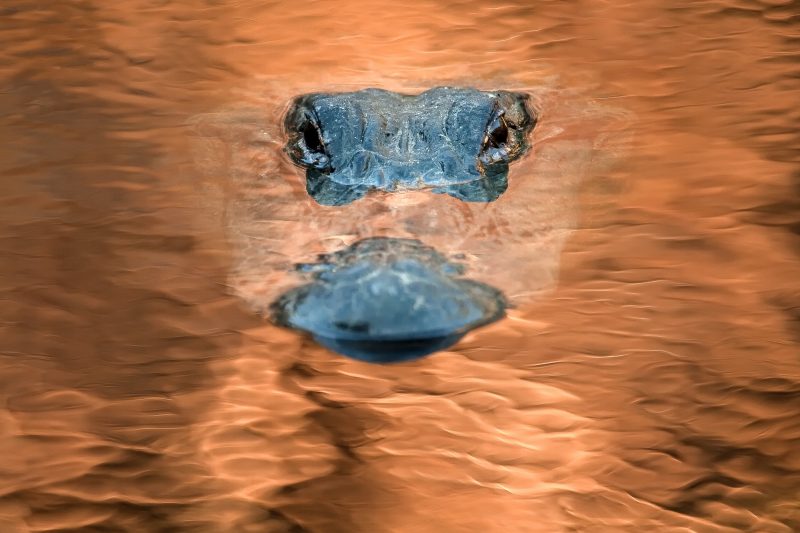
(385, 299)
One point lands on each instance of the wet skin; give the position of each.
(386, 299)
(457, 141)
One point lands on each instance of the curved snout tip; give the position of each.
(385, 311)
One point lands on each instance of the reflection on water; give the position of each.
(654, 387)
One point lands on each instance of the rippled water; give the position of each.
(655, 386)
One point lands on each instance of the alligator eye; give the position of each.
(311, 137)
(497, 134)
(496, 140)
(305, 146)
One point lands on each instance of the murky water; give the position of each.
(648, 379)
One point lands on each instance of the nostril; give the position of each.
(355, 327)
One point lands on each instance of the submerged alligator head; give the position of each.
(388, 299)
(457, 141)
(404, 228)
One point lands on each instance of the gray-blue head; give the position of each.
(456, 141)
(390, 299)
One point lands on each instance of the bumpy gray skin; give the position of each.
(457, 141)
(385, 300)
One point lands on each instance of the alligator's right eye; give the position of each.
(306, 146)
(497, 135)
(495, 148)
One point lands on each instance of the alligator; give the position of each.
(385, 299)
(457, 141)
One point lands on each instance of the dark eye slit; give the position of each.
(311, 137)
(498, 132)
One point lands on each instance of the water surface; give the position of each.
(652, 383)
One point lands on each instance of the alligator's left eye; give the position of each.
(496, 139)
(311, 137)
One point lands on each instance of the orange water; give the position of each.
(655, 387)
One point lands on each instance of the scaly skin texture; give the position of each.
(456, 141)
